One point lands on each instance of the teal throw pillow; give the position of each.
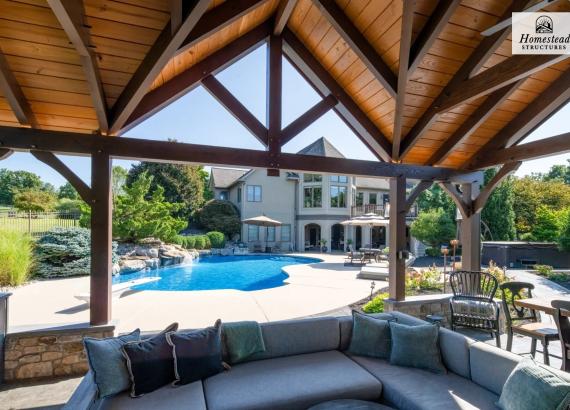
(416, 346)
(242, 340)
(532, 386)
(108, 364)
(370, 336)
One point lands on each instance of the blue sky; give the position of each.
(198, 118)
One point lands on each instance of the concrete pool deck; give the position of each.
(310, 289)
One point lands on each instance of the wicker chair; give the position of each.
(472, 304)
(563, 324)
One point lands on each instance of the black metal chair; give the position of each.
(563, 326)
(524, 321)
(472, 304)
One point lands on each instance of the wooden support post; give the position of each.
(470, 232)
(274, 101)
(101, 249)
(397, 260)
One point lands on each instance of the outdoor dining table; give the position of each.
(371, 253)
(541, 304)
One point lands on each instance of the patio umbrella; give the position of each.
(370, 220)
(262, 220)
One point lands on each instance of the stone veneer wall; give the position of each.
(49, 353)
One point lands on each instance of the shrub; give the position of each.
(69, 207)
(34, 200)
(190, 242)
(65, 252)
(433, 252)
(544, 270)
(424, 280)
(217, 239)
(376, 305)
(546, 227)
(221, 216)
(199, 242)
(17, 258)
(564, 238)
(207, 243)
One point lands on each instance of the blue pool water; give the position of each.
(247, 273)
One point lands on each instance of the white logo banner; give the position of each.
(541, 33)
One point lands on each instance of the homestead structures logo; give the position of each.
(541, 33)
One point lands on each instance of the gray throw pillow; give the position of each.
(370, 336)
(416, 346)
(108, 364)
(532, 386)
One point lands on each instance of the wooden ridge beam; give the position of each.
(11, 90)
(218, 18)
(416, 192)
(479, 116)
(54, 162)
(70, 14)
(316, 75)
(283, 14)
(184, 82)
(405, 44)
(164, 48)
(359, 45)
(434, 26)
(306, 119)
(26, 139)
(503, 173)
(559, 144)
(235, 107)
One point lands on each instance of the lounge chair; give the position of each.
(353, 255)
(119, 289)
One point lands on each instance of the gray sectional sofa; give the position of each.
(305, 363)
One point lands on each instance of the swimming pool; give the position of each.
(251, 272)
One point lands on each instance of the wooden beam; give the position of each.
(160, 97)
(176, 12)
(507, 72)
(11, 90)
(479, 116)
(5, 153)
(397, 239)
(164, 48)
(26, 139)
(274, 98)
(432, 29)
(70, 14)
(306, 119)
(54, 162)
(418, 189)
(236, 108)
(503, 173)
(509, 21)
(318, 76)
(465, 207)
(358, 43)
(405, 44)
(282, 15)
(559, 144)
(217, 19)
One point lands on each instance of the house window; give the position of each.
(285, 233)
(224, 195)
(386, 198)
(312, 178)
(239, 195)
(372, 198)
(252, 233)
(342, 179)
(313, 197)
(338, 196)
(359, 199)
(271, 234)
(254, 193)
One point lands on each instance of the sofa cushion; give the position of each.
(455, 351)
(242, 339)
(189, 396)
(411, 389)
(491, 366)
(345, 323)
(370, 336)
(294, 382)
(416, 346)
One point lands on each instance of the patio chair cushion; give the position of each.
(474, 308)
(416, 389)
(189, 396)
(294, 382)
(370, 336)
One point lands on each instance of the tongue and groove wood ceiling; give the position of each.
(452, 105)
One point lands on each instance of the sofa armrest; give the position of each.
(85, 395)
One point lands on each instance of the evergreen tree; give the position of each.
(67, 191)
(498, 213)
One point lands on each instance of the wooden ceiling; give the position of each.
(102, 66)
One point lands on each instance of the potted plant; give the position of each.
(348, 244)
(323, 243)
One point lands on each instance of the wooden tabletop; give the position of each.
(541, 304)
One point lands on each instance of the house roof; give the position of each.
(226, 177)
(322, 148)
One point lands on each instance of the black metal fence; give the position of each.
(37, 223)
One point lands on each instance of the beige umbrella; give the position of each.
(370, 220)
(262, 220)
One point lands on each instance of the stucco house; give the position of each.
(310, 206)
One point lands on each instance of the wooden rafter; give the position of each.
(54, 162)
(164, 48)
(283, 14)
(235, 107)
(70, 14)
(160, 97)
(274, 97)
(306, 119)
(405, 44)
(503, 173)
(509, 21)
(316, 75)
(434, 26)
(176, 11)
(479, 116)
(5, 153)
(13, 93)
(418, 189)
(358, 43)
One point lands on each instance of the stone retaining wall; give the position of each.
(48, 353)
